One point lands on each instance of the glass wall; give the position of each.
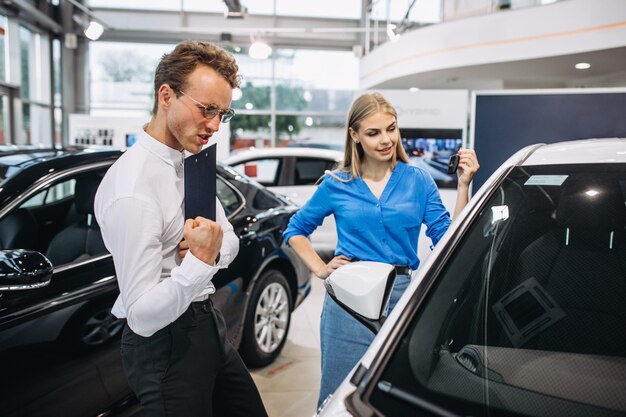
(121, 77)
(35, 88)
(4, 119)
(57, 92)
(4, 96)
(332, 9)
(292, 98)
(3, 49)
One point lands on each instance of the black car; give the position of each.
(59, 343)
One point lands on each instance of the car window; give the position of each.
(228, 197)
(528, 314)
(57, 221)
(264, 171)
(52, 194)
(309, 170)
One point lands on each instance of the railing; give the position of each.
(422, 13)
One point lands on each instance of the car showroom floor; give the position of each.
(289, 386)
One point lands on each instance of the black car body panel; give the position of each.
(50, 366)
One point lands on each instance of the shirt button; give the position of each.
(377, 205)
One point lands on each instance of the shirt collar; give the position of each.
(171, 156)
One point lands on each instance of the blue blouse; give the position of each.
(370, 229)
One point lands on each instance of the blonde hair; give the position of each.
(363, 107)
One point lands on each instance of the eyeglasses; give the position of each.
(212, 110)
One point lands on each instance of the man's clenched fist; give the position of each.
(204, 238)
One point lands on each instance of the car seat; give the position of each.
(18, 230)
(82, 238)
(580, 266)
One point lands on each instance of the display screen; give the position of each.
(131, 138)
(430, 149)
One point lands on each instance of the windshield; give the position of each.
(528, 316)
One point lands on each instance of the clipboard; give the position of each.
(200, 192)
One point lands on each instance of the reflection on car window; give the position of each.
(57, 221)
(53, 194)
(528, 315)
(227, 196)
(309, 170)
(264, 171)
(264, 200)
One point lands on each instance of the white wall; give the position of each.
(561, 28)
(112, 131)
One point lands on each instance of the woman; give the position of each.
(379, 202)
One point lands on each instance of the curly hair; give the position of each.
(175, 67)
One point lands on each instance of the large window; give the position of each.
(345, 9)
(293, 97)
(35, 88)
(3, 58)
(122, 76)
(312, 98)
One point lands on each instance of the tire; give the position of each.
(267, 320)
(92, 327)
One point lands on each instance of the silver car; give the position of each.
(293, 172)
(521, 308)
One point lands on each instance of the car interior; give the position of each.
(528, 315)
(57, 221)
(81, 238)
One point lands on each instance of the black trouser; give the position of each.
(190, 369)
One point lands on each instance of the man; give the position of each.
(174, 348)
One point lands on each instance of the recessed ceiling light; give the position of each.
(582, 65)
(413, 89)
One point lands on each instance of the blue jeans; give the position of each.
(344, 340)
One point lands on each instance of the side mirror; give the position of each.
(22, 269)
(363, 289)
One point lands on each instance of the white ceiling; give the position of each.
(608, 69)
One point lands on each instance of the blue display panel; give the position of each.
(431, 149)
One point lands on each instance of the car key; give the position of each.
(453, 163)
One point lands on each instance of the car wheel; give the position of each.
(267, 320)
(93, 326)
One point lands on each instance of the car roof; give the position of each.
(585, 151)
(25, 155)
(256, 153)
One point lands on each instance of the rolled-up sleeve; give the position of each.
(312, 214)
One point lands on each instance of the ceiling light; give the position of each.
(393, 37)
(235, 9)
(94, 30)
(414, 89)
(93, 27)
(582, 65)
(259, 50)
(592, 193)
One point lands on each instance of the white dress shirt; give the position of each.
(140, 208)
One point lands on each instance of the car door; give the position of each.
(58, 351)
(522, 311)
